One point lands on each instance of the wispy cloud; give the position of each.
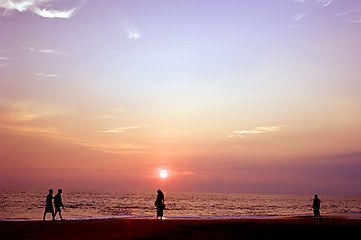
(322, 2)
(131, 31)
(48, 51)
(325, 3)
(133, 34)
(45, 75)
(2, 60)
(122, 129)
(23, 111)
(38, 7)
(345, 13)
(300, 1)
(55, 14)
(28, 118)
(237, 147)
(256, 130)
(351, 16)
(110, 147)
(353, 20)
(186, 173)
(298, 17)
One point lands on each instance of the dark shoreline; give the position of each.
(355, 216)
(263, 228)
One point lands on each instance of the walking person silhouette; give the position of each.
(160, 204)
(58, 203)
(49, 204)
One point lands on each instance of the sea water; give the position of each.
(30, 205)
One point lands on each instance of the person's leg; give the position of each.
(60, 215)
(44, 216)
(54, 214)
(317, 213)
(159, 213)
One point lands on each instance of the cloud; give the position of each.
(353, 20)
(21, 6)
(131, 31)
(4, 59)
(48, 51)
(325, 3)
(298, 17)
(54, 13)
(36, 6)
(108, 147)
(347, 12)
(186, 173)
(322, 2)
(352, 16)
(133, 35)
(24, 111)
(122, 129)
(257, 130)
(45, 75)
(300, 1)
(28, 118)
(237, 147)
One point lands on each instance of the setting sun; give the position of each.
(163, 173)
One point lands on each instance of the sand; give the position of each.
(267, 228)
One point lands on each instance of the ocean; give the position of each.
(30, 205)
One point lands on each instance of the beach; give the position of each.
(263, 228)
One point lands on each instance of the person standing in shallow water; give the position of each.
(160, 204)
(58, 203)
(316, 207)
(49, 204)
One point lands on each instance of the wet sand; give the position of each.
(267, 228)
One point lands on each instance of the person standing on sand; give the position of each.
(160, 204)
(316, 207)
(58, 203)
(49, 204)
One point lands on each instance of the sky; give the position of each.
(244, 96)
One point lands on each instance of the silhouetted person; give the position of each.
(49, 204)
(160, 204)
(58, 203)
(316, 207)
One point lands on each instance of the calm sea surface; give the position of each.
(26, 205)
